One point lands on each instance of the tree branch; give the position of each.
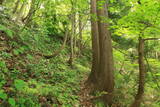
(151, 39)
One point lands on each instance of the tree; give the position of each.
(106, 80)
(80, 33)
(103, 72)
(141, 23)
(73, 31)
(95, 44)
(140, 92)
(142, 72)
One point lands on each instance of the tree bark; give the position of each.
(106, 68)
(139, 96)
(74, 37)
(151, 39)
(72, 40)
(142, 72)
(80, 34)
(95, 45)
(102, 64)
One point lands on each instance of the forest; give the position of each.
(79, 53)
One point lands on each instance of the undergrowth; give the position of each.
(29, 80)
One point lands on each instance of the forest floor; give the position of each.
(28, 79)
(39, 81)
(85, 97)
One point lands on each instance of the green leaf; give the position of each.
(2, 64)
(19, 84)
(7, 31)
(158, 74)
(2, 83)
(30, 56)
(12, 102)
(16, 52)
(3, 95)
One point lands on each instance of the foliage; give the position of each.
(8, 32)
(28, 79)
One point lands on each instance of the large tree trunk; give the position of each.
(106, 68)
(139, 96)
(95, 45)
(102, 66)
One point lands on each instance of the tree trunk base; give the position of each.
(136, 103)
